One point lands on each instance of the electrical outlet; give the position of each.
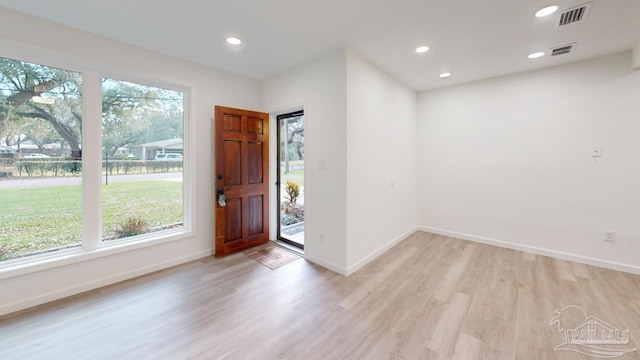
(610, 236)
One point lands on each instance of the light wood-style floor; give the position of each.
(430, 297)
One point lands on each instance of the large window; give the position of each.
(40, 167)
(42, 186)
(142, 146)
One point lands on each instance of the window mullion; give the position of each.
(91, 161)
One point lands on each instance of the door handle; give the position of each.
(222, 199)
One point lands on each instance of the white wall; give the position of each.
(508, 161)
(381, 161)
(319, 88)
(210, 87)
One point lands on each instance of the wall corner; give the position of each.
(635, 57)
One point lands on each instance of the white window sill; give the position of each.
(37, 263)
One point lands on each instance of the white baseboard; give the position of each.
(633, 269)
(325, 264)
(74, 290)
(369, 258)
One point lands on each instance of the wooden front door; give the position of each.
(242, 176)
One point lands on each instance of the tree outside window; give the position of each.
(41, 159)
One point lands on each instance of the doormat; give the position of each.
(272, 256)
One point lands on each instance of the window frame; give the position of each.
(92, 246)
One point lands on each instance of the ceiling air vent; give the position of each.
(561, 50)
(574, 15)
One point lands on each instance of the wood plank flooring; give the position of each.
(430, 297)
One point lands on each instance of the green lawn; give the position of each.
(38, 219)
(295, 176)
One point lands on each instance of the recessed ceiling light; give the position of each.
(422, 49)
(234, 41)
(547, 11)
(536, 55)
(445, 75)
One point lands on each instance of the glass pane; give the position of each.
(292, 178)
(142, 148)
(40, 159)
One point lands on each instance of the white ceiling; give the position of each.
(472, 39)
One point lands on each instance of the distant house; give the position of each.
(148, 151)
(55, 149)
(6, 149)
(122, 151)
(26, 147)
